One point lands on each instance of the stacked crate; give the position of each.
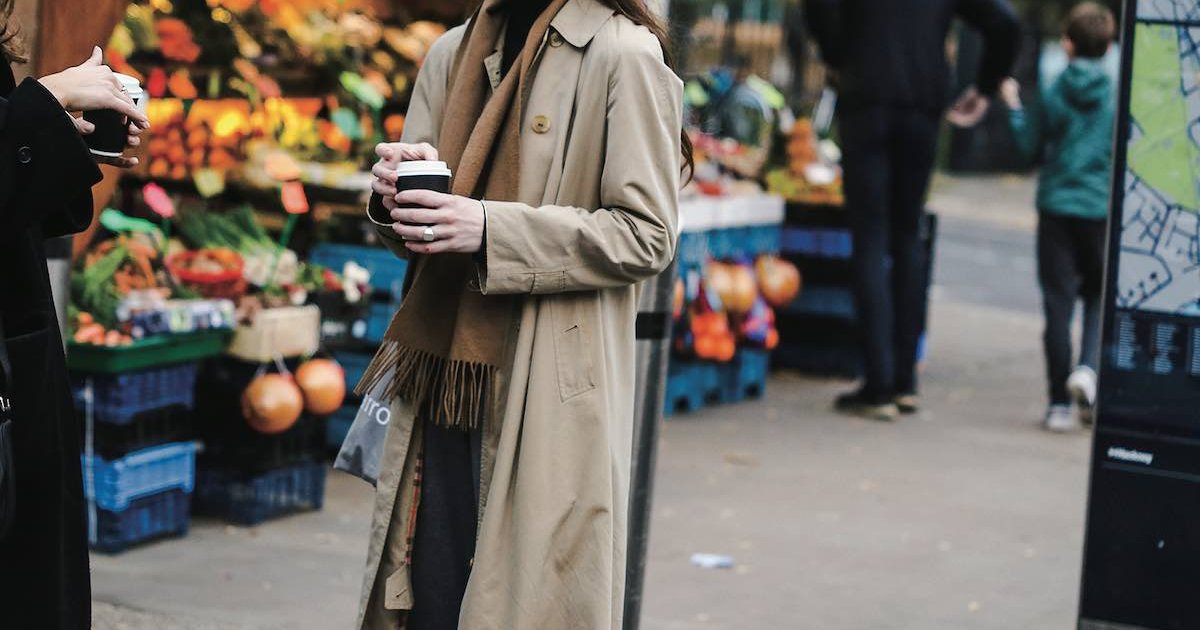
(743, 227)
(355, 350)
(819, 332)
(138, 463)
(246, 476)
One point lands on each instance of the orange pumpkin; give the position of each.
(742, 291)
(323, 383)
(779, 280)
(272, 403)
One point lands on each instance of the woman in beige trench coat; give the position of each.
(600, 169)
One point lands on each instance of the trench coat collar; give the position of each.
(578, 21)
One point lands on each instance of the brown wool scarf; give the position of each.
(447, 341)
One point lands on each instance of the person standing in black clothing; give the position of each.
(46, 177)
(890, 61)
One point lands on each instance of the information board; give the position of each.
(1142, 552)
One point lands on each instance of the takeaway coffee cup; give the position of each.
(417, 175)
(112, 127)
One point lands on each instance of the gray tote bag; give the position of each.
(363, 448)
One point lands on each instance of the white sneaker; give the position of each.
(1059, 419)
(1082, 386)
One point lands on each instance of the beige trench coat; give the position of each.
(600, 174)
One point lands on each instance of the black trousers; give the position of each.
(444, 541)
(1070, 267)
(888, 156)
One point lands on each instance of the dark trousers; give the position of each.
(888, 158)
(444, 541)
(1070, 267)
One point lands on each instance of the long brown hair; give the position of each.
(640, 14)
(10, 41)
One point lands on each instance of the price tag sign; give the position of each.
(294, 199)
(158, 200)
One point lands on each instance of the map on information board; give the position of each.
(1169, 10)
(1159, 266)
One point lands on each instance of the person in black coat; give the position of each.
(889, 58)
(46, 175)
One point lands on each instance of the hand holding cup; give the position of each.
(92, 86)
(391, 154)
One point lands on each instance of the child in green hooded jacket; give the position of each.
(1071, 127)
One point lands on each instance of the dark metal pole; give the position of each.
(654, 344)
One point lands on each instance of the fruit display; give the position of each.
(811, 175)
(113, 269)
(89, 331)
(209, 135)
(725, 305)
(323, 79)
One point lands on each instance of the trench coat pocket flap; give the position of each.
(398, 591)
(572, 349)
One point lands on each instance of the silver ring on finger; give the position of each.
(429, 235)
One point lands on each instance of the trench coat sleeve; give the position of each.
(423, 121)
(47, 181)
(632, 237)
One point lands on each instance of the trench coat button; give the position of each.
(541, 124)
(24, 155)
(556, 40)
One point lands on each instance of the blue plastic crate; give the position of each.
(250, 501)
(355, 365)
(692, 384)
(835, 243)
(387, 271)
(155, 516)
(339, 425)
(763, 239)
(693, 249)
(724, 243)
(747, 375)
(682, 395)
(379, 317)
(825, 301)
(113, 485)
(119, 398)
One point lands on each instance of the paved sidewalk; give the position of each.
(967, 517)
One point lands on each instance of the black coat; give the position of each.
(46, 175)
(893, 52)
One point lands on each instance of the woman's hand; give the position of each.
(390, 155)
(457, 222)
(132, 141)
(92, 86)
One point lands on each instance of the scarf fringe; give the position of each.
(449, 393)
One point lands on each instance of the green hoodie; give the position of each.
(1072, 123)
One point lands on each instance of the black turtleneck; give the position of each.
(521, 16)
